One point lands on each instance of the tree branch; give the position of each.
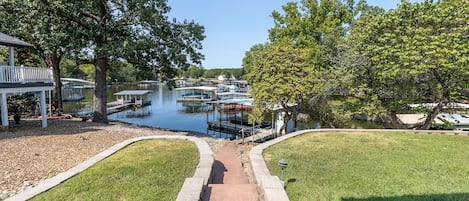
(92, 16)
(72, 18)
(85, 61)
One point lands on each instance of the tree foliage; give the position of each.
(416, 53)
(50, 36)
(228, 73)
(249, 61)
(279, 79)
(138, 31)
(317, 28)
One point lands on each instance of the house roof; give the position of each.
(11, 41)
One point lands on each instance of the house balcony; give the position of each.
(25, 77)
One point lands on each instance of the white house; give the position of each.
(21, 79)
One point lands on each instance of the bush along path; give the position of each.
(229, 182)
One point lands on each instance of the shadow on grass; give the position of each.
(289, 181)
(431, 197)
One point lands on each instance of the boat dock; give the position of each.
(112, 107)
(261, 136)
(251, 134)
(125, 99)
(228, 127)
(197, 94)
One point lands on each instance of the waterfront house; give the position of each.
(21, 79)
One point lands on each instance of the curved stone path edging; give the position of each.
(188, 191)
(270, 186)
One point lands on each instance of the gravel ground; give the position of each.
(30, 154)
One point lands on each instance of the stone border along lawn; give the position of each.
(270, 187)
(192, 188)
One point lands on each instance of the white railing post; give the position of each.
(11, 58)
(4, 108)
(21, 78)
(43, 109)
(22, 74)
(1, 74)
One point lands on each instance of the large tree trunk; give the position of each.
(446, 97)
(100, 90)
(286, 119)
(395, 121)
(431, 116)
(58, 83)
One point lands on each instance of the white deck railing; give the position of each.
(21, 74)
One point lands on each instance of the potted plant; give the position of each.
(19, 104)
(15, 108)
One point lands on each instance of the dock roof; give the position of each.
(132, 92)
(203, 88)
(232, 93)
(242, 101)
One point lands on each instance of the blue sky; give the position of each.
(233, 27)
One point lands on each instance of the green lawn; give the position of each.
(373, 166)
(145, 170)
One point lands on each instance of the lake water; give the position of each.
(165, 112)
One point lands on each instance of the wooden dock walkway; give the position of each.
(118, 108)
(112, 108)
(261, 136)
(228, 127)
(250, 135)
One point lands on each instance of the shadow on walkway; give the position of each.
(218, 172)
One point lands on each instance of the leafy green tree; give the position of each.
(237, 73)
(318, 28)
(33, 21)
(279, 79)
(138, 31)
(121, 71)
(70, 69)
(195, 71)
(213, 73)
(307, 25)
(416, 53)
(249, 61)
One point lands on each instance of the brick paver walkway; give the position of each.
(229, 182)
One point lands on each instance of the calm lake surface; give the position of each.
(164, 112)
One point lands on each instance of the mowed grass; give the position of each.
(373, 166)
(145, 170)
